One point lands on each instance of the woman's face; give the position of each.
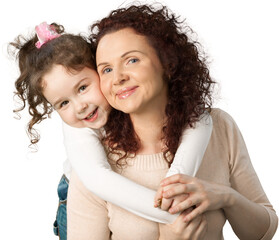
(131, 73)
(76, 96)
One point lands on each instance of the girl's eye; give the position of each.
(133, 60)
(64, 103)
(107, 70)
(82, 88)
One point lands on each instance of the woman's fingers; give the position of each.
(179, 223)
(193, 225)
(178, 199)
(191, 201)
(193, 230)
(172, 190)
(199, 234)
(201, 194)
(177, 178)
(168, 203)
(196, 212)
(189, 230)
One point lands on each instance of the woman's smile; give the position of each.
(126, 92)
(131, 73)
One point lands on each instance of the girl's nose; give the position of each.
(81, 107)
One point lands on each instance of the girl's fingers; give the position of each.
(166, 203)
(158, 197)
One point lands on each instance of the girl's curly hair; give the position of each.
(190, 86)
(73, 52)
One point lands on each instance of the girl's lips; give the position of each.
(92, 116)
(126, 92)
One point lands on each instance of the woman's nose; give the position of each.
(120, 77)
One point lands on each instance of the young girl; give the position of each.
(57, 71)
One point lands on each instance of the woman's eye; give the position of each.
(82, 88)
(64, 103)
(107, 70)
(133, 60)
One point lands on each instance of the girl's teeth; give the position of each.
(91, 115)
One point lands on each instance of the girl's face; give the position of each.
(76, 96)
(131, 73)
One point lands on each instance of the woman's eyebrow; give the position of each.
(122, 56)
(126, 53)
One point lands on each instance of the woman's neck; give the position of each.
(148, 127)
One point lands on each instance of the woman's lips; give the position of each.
(126, 92)
(92, 116)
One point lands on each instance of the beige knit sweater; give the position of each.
(226, 161)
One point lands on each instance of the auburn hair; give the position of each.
(185, 67)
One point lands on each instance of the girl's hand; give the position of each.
(202, 195)
(179, 230)
(166, 203)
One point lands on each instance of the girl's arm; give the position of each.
(193, 144)
(89, 161)
(188, 157)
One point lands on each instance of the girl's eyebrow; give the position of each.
(56, 102)
(122, 56)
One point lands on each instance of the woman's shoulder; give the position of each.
(224, 126)
(222, 118)
(218, 113)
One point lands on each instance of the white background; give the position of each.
(241, 37)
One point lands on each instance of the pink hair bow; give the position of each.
(45, 33)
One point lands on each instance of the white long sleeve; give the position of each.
(88, 158)
(189, 154)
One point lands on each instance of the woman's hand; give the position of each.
(179, 230)
(201, 195)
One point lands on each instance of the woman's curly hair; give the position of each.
(74, 52)
(190, 86)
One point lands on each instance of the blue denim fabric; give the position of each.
(60, 224)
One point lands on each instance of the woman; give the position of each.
(153, 73)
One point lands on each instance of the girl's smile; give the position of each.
(76, 96)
